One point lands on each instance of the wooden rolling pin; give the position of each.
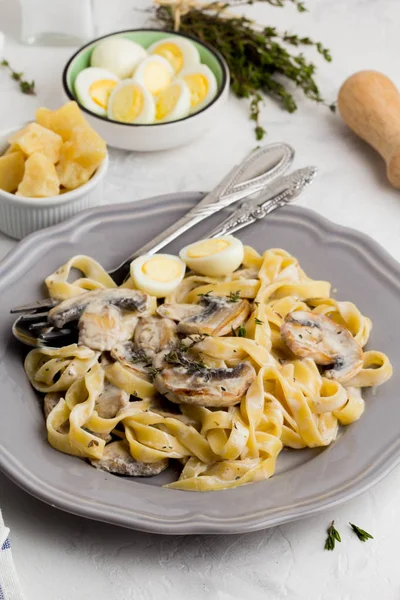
(369, 103)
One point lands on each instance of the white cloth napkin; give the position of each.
(9, 585)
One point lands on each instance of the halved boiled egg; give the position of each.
(154, 73)
(130, 102)
(173, 103)
(158, 275)
(214, 257)
(119, 55)
(179, 52)
(93, 87)
(202, 84)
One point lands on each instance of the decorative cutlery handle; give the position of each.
(250, 211)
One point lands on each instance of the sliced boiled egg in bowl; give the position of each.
(158, 274)
(93, 87)
(181, 86)
(131, 102)
(154, 73)
(214, 257)
(173, 103)
(202, 84)
(178, 51)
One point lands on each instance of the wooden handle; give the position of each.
(369, 103)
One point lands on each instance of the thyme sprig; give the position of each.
(26, 87)
(362, 535)
(259, 58)
(234, 296)
(333, 537)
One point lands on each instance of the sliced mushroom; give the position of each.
(110, 401)
(214, 315)
(318, 337)
(153, 334)
(99, 314)
(100, 326)
(117, 459)
(128, 355)
(185, 381)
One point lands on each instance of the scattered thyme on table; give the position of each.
(26, 87)
(362, 535)
(259, 58)
(333, 537)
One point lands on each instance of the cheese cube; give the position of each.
(35, 138)
(62, 121)
(11, 171)
(80, 157)
(40, 178)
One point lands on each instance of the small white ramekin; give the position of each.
(20, 216)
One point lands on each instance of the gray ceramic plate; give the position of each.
(306, 481)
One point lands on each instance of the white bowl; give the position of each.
(158, 136)
(20, 216)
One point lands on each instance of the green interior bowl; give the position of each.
(145, 37)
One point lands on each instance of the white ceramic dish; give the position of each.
(158, 136)
(21, 216)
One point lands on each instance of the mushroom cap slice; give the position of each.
(99, 314)
(118, 460)
(214, 315)
(128, 355)
(185, 381)
(316, 336)
(72, 308)
(111, 400)
(100, 326)
(154, 334)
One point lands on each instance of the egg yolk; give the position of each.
(172, 54)
(167, 101)
(207, 248)
(161, 269)
(127, 104)
(156, 77)
(198, 86)
(100, 91)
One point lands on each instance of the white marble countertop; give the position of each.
(59, 556)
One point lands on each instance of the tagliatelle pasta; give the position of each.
(294, 397)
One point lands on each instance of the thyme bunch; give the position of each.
(261, 60)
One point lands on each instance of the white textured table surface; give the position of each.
(59, 556)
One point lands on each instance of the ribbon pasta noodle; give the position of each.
(294, 399)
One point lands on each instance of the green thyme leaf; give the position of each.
(362, 535)
(258, 321)
(239, 332)
(234, 296)
(333, 537)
